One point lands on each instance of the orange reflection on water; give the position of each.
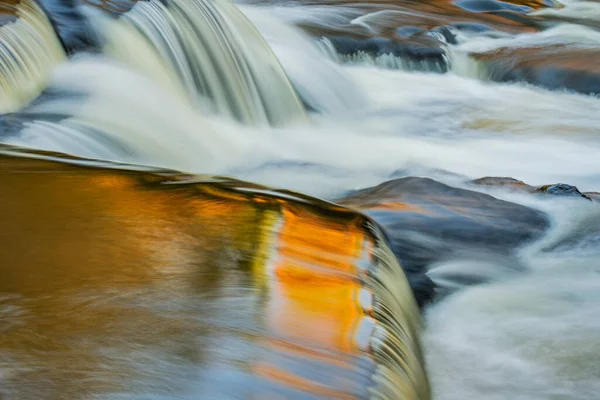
(314, 310)
(119, 282)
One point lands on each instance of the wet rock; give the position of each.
(408, 31)
(420, 52)
(472, 27)
(443, 34)
(490, 5)
(72, 27)
(517, 17)
(503, 182)
(561, 189)
(429, 222)
(556, 67)
(98, 263)
(417, 30)
(557, 189)
(378, 46)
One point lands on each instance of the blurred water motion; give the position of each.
(122, 284)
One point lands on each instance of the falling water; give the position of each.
(188, 287)
(213, 52)
(28, 51)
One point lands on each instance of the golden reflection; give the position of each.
(115, 283)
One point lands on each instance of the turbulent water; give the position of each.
(163, 89)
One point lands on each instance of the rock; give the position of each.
(416, 30)
(557, 67)
(479, 6)
(557, 189)
(503, 182)
(377, 46)
(429, 222)
(421, 52)
(472, 27)
(561, 189)
(72, 26)
(408, 31)
(443, 34)
(595, 196)
(98, 263)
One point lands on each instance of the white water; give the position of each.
(577, 10)
(532, 335)
(213, 52)
(143, 124)
(29, 50)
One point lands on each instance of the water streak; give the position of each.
(213, 51)
(29, 49)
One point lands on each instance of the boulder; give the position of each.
(428, 222)
(562, 189)
(557, 67)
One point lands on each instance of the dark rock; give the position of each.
(425, 51)
(556, 67)
(429, 222)
(408, 31)
(379, 45)
(443, 34)
(558, 189)
(489, 6)
(561, 189)
(70, 25)
(517, 17)
(472, 27)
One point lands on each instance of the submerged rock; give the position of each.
(428, 221)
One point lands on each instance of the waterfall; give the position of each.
(99, 109)
(208, 51)
(29, 49)
(234, 271)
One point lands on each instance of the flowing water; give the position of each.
(250, 91)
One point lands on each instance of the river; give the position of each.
(299, 96)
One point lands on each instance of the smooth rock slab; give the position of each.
(428, 221)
